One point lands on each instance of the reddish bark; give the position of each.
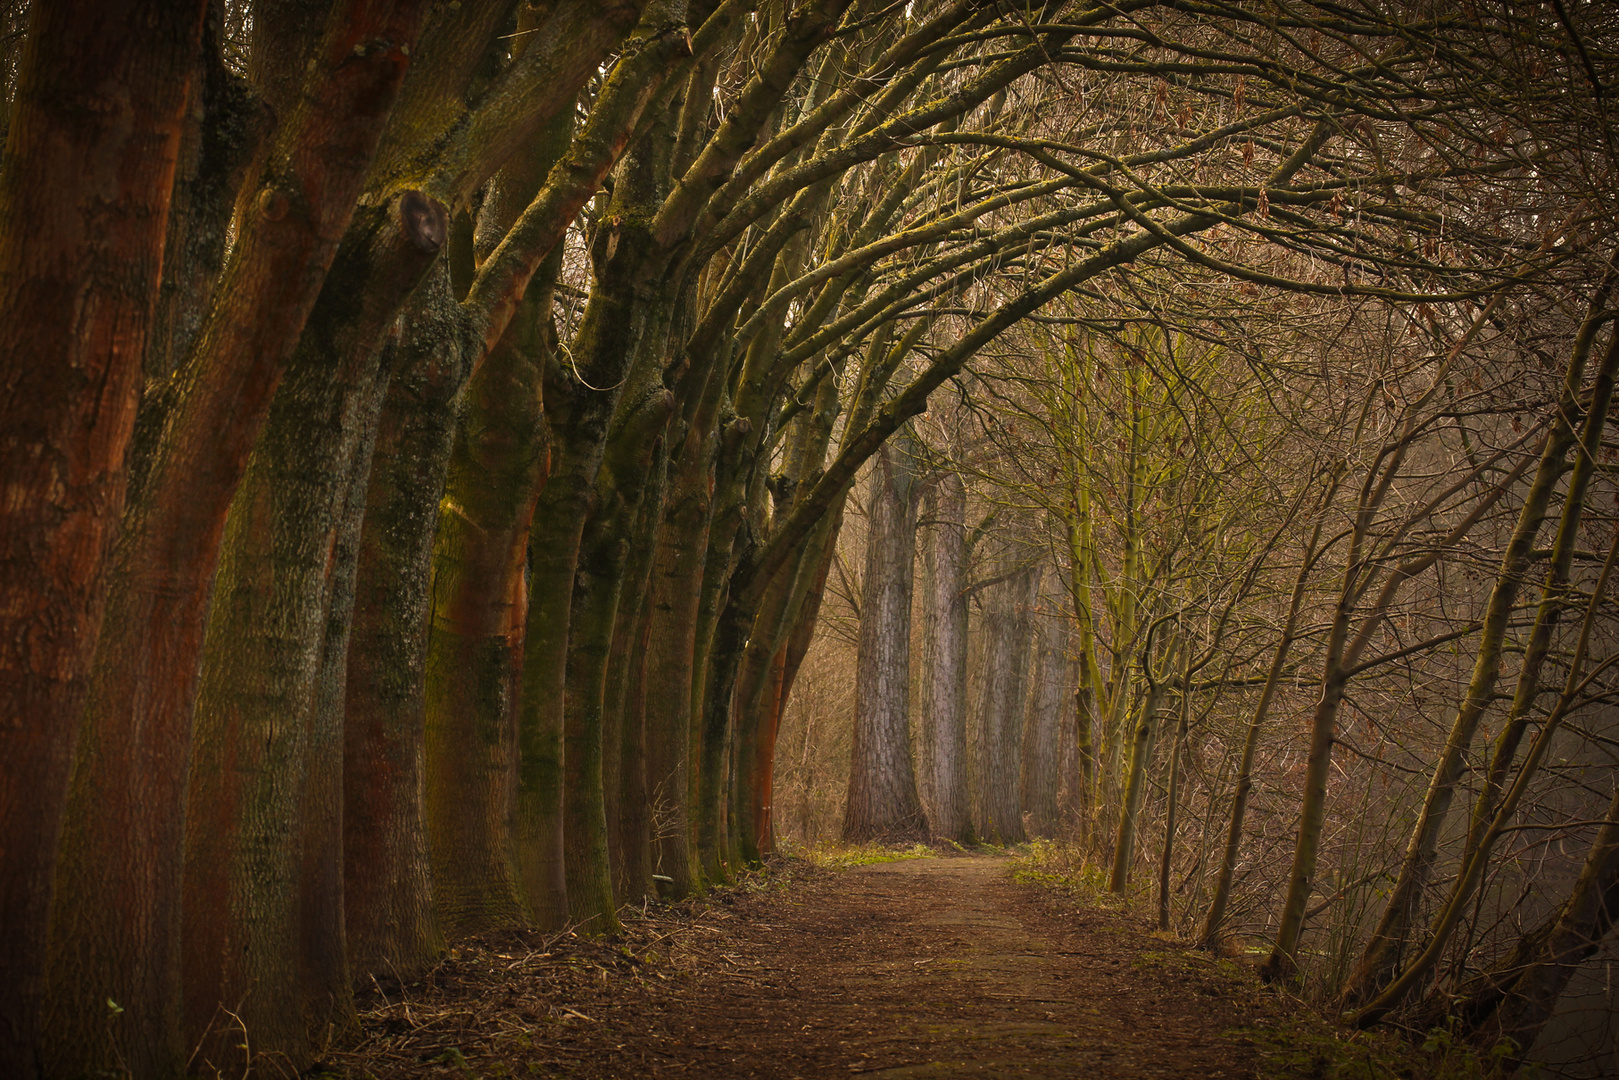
(115, 930)
(84, 200)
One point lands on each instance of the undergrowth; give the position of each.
(1292, 1037)
(836, 856)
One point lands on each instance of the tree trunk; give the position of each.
(882, 800)
(1547, 957)
(1209, 936)
(944, 659)
(115, 927)
(85, 189)
(1135, 778)
(1172, 799)
(258, 736)
(675, 594)
(1042, 723)
(393, 929)
(996, 750)
(632, 825)
(480, 602)
(597, 585)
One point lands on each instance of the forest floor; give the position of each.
(937, 967)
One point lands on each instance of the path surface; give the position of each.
(938, 967)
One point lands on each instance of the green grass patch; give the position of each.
(831, 856)
(1065, 869)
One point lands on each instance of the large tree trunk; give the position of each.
(675, 596)
(496, 474)
(1048, 705)
(597, 586)
(392, 925)
(115, 929)
(997, 749)
(258, 735)
(882, 799)
(89, 166)
(944, 659)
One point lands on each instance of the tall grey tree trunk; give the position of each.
(943, 698)
(997, 749)
(882, 801)
(1048, 706)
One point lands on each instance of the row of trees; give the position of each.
(1338, 563)
(425, 431)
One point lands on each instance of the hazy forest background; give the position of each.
(476, 465)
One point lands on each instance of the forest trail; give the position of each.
(937, 967)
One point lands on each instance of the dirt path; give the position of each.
(930, 967)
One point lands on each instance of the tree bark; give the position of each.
(392, 924)
(944, 658)
(997, 749)
(1049, 695)
(258, 735)
(882, 800)
(115, 928)
(85, 186)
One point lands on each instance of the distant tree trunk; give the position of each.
(1007, 629)
(1043, 720)
(85, 187)
(882, 800)
(944, 658)
(1172, 799)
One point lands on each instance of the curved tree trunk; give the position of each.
(115, 927)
